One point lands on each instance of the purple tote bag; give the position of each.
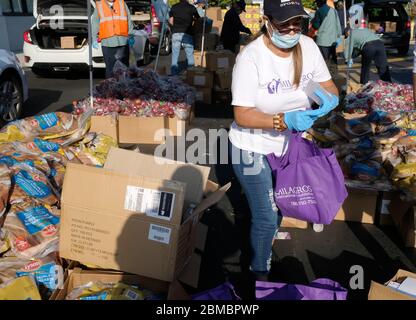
(309, 184)
(223, 292)
(320, 289)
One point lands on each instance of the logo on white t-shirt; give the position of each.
(287, 85)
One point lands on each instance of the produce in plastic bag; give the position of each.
(380, 95)
(141, 93)
(404, 170)
(32, 230)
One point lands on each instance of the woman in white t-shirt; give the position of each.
(269, 102)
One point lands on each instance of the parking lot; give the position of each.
(305, 255)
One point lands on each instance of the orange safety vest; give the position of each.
(112, 22)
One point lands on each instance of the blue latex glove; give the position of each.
(301, 120)
(131, 41)
(95, 44)
(350, 63)
(338, 42)
(328, 104)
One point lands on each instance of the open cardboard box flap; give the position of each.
(134, 163)
(382, 292)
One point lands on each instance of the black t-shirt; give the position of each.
(183, 15)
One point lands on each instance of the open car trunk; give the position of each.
(74, 35)
(386, 19)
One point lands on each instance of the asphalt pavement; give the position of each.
(307, 255)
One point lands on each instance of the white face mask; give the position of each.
(286, 41)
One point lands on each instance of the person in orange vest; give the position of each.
(112, 25)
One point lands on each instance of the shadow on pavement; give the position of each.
(39, 100)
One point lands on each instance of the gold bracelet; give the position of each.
(279, 123)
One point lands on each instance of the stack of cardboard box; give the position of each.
(252, 17)
(203, 80)
(211, 67)
(221, 63)
(217, 16)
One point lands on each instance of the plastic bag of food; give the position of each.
(28, 182)
(47, 272)
(94, 148)
(47, 126)
(23, 288)
(404, 170)
(105, 291)
(32, 229)
(5, 184)
(4, 242)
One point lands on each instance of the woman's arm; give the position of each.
(251, 118)
(330, 87)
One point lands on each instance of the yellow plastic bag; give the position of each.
(23, 288)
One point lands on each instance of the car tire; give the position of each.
(10, 85)
(403, 51)
(146, 55)
(167, 45)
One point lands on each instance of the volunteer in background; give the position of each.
(200, 7)
(269, 103)
(370, 46)
(328, 36)
(232, 26)
(112, 24)
(182, 16)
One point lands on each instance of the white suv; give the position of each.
(13, 87)
(42, 43)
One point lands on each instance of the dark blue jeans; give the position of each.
(374, 51)
(255, 176)
(113, 54)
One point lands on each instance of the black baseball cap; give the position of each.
(283, 10)
(241, 4)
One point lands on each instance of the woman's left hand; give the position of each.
(328, 103)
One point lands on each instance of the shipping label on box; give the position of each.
(159, 233)
(200, 77)
(223, 63)
(153, 203)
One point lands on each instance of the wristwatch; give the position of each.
(279, 123)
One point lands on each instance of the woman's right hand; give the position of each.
(301, 120)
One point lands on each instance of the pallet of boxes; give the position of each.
(212, 77)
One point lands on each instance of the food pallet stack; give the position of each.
(217, 16)
(213, 67)
(252, 17)
(203, 81)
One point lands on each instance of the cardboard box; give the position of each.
(107, 125)
(374, 26)
(223, 78)
(382, 292)
(214, 13)
(68, 42)
(139, 130)
(294, 223)
(200, 77)
(211, 41)
(391, 26)
(217, 27)
(220, 60)
(78, 277)
(204, 95)
(360, 206)
(404, 217)
(221, 96)
(103, 221)
(385, 217)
